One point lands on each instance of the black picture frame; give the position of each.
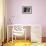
(27, 9)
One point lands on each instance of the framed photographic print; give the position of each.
(27, 9)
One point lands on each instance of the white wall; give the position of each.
(38, 15)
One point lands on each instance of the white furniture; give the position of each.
(17, 30)
(36, 33)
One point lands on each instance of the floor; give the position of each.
(23, 43)
(18, 43)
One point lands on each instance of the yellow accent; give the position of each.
(23, 43)
(18, 43)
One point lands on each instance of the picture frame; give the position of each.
(27, 9)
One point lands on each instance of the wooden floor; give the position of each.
(23, 43)
(18, 43)
(43, 39)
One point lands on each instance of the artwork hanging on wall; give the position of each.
(27, 9)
